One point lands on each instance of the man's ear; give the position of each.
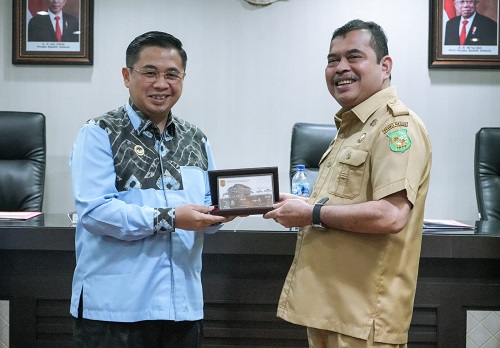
(386, 64)
(126, 76)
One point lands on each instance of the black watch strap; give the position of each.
(316, 221)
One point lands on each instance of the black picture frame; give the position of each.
(468, 56)
(74, 50)
(244, 191)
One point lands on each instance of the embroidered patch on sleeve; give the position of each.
(399, 141)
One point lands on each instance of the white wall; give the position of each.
(252, 73)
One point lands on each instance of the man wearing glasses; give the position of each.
(470, 28)
(139, 176)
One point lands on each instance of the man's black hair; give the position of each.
(156, 39)
(378, 38)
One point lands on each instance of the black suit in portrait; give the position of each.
(40, 28)
(483, 32)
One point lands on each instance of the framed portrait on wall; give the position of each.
(52, 32)
(464, 34)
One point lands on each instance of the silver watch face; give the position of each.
(318, 226)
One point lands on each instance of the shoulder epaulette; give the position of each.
(398, 108)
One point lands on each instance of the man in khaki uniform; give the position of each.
(352, 281)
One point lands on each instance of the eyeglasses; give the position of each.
(463, 2)
(152, 75)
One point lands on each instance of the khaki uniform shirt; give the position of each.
(350, 282)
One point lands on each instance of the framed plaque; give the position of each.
(246, 191)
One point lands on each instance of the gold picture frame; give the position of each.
(481, 47)
(34, 39)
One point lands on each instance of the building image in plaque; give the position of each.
(242, 196)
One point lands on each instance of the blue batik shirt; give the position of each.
(132, 263)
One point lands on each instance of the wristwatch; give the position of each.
(316, 211)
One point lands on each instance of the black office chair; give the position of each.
(487, 173)
(22, 161)
(309, 143)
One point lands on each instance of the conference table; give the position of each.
(244, 266)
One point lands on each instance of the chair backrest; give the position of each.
(309, 143)
(487, 173)
(22, 161)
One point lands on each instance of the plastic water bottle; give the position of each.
(300, 184)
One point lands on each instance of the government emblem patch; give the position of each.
(399, 141)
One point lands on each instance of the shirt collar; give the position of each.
(142, 123)
(53, 16)
(365, 109)
(470, 19)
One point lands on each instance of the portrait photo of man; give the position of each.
(469, 27)
(51, 22)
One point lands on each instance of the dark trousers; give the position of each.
(143, 334)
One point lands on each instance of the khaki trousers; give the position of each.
(329, 339)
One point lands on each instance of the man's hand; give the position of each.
(284, 196)
(194, 217)
(291, 211)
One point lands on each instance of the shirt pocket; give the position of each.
(349, 173)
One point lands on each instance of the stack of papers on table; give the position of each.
(18, 215)
(436, 224)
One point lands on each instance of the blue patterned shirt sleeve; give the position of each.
(98, 202)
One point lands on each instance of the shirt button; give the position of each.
(348, 156)
(329, 164)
